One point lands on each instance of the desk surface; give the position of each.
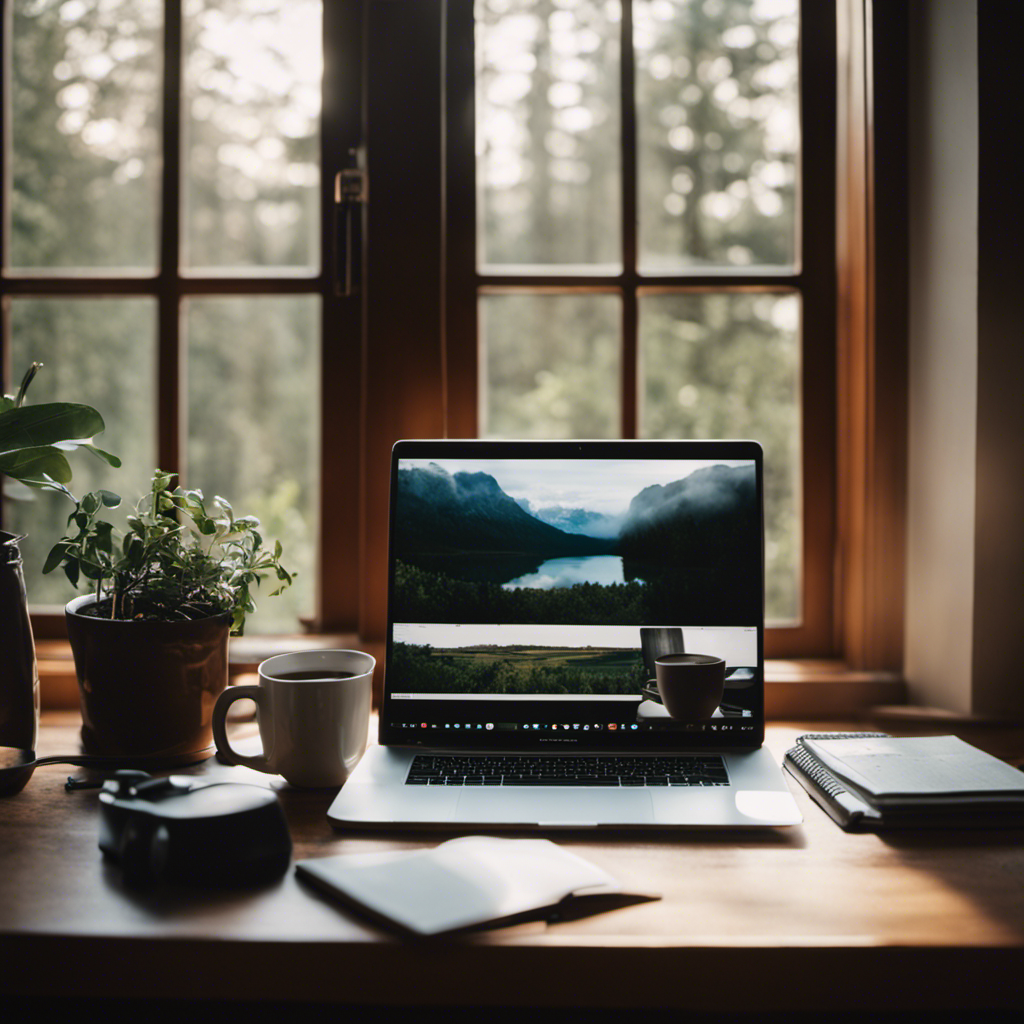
(784, 918)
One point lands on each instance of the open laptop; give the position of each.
(532, 586)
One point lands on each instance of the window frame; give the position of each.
(813, 279)
(335, 608)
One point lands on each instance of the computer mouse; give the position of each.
(182, 829)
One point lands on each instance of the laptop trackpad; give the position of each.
(555, 807)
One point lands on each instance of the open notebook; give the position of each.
(467, 882)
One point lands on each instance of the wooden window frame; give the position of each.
(336, 608)
(420, 375)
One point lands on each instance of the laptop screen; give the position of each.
(575, 594)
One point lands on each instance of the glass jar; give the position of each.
(19, 674)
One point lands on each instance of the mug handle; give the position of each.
(220, 735)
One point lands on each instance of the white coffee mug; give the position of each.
(313, 709)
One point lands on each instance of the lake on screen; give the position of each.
(567, 572)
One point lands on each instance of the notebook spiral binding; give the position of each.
(810, 766)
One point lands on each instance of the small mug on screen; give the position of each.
(690, 685)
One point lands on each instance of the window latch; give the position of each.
(351, 192)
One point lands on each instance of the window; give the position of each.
(168, 257)
(650, 307)
(649, 251)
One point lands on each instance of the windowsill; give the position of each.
(804, 689)
(818, 688)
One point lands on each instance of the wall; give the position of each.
(943, 352)
(964, 580)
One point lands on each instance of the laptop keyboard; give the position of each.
(599, 770)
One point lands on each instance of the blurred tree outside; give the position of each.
(718, 132)
(548, 128)
(252, 72)
(558, 389)
(84, 117)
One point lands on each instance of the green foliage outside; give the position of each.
(517, 670)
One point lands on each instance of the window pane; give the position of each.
(253, 429)
(718, 132)
(550, 366)
(251, 114)
(547, 129)
(101, 352)
(728, 366)
(85, 110)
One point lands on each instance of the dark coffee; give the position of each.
(324, 674)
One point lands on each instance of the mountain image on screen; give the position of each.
(439, 512)
(695, 521)
(466, 551)
(575, 520)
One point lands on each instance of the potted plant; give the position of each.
(34, 441)
(150, 641)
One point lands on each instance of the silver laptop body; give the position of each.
(532, 586)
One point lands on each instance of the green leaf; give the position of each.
(91, 503)
(51, 485)
(36, 466)
(112, 460)
(71, 571)
(109, 498)
(104, 539)
(39, 425)
(91, 571)
(6, 402)
(162, 480)
(30, 375)
(56, 556)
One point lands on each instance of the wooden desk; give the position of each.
(801, 918)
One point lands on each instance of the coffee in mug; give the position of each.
(691, 685)
(313, 709)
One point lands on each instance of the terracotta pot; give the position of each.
(148, 688)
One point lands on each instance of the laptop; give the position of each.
(533, 585)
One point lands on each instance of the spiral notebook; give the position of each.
(870, 780)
